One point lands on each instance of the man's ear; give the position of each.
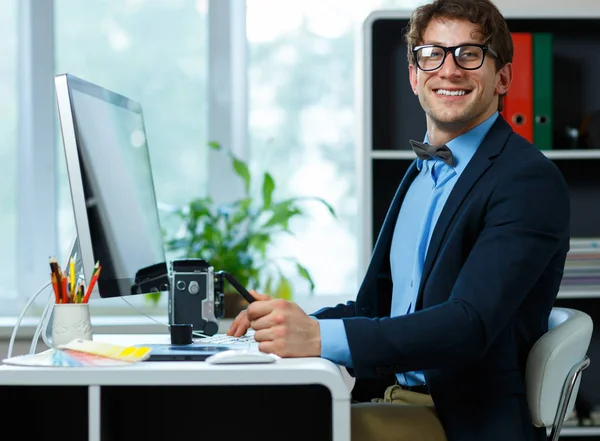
(503, 79)
(412, 75)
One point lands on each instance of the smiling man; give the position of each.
(468, 262)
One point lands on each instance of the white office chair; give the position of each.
(554, 367)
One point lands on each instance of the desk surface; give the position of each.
(283, 371)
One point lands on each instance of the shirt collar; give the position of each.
(464, 146)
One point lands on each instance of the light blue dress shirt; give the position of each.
(418, 215)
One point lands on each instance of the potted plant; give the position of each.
(235, 236)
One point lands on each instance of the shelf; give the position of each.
(574, 293)
(393, 154)
(579, 431)
(551, 154)
(572, 154)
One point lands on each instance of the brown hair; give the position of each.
(484, 13)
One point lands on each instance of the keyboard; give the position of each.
(224, 339)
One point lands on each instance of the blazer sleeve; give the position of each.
(336, 312)
(526, 222)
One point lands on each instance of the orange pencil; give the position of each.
(65, 295)
(55, 287)
(91, 285)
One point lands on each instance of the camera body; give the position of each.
(195, 295)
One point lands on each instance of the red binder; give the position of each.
(518, 102)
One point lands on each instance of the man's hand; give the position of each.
(284, 329)
(241, 324)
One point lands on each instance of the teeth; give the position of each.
(451, 92)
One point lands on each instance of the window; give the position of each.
(8, 150)
(154, 52)
(302, 125)
(301, 110)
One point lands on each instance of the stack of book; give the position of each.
(582, 268)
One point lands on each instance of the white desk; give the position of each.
(213, 400)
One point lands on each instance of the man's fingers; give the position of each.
(259, 296)
(233, 327)
(239, 323)
(240, 330)
(267, 347)
(264, 335)
(267, 321)
(256, 310)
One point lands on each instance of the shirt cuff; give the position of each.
(334, 342)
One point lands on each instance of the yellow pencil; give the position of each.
(72, 277)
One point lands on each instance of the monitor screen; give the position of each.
(112, 189)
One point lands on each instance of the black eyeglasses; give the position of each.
(466, 56)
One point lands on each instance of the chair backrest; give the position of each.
(550, 361)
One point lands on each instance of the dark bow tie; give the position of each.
(426, 151)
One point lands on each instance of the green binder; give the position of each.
(542, 90)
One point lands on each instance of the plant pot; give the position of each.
(234, 304)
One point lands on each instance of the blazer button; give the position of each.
(365, 310)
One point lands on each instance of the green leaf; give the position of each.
(241, 169)
(200, 208)
(153, 298)
(267, 190)
(260, 242)
(303, 272)
(284, 289)
(282, 213)
(214, 145)
(321, 200)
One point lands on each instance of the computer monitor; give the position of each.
(112, 189)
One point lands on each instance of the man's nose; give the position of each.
(449, 68)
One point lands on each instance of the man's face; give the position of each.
(437, 90)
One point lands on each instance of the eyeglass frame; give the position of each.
(484, 48)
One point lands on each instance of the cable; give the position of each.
(23, 312)
(42, 325)
(144, 314)
(196, 333)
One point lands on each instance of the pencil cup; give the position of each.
(71, 321)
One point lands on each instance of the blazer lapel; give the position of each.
(490, 147)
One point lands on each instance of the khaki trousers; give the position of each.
(401, 415)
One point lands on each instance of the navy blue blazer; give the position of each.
(491, 276)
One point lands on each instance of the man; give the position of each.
(468, 262)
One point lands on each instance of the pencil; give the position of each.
(65, 294)
(55, 287)
(72, 277)
(56, 271)
(91, 285)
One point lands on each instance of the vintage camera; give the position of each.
(196, 295)
(195, 291)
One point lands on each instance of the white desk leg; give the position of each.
(341, 420)
(94, 413)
